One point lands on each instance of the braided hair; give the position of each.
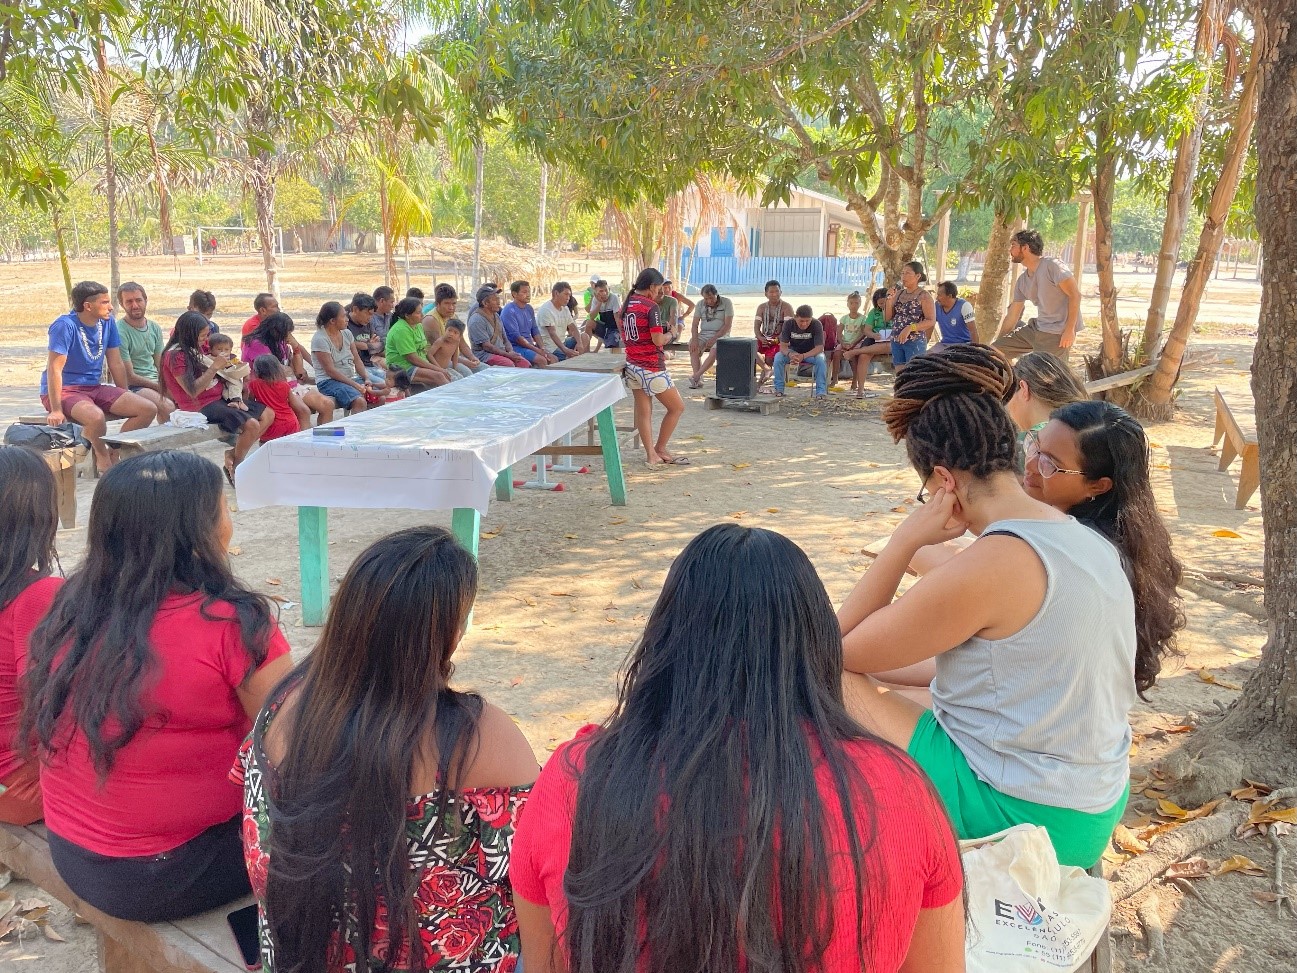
(949, 409)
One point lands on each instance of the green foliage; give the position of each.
(297, 203)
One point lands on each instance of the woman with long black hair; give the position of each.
(274, 336)
(142, 682)
(1091, 461)
(381, 802)
(730, 811)
(28, 522)
(193, 383)
(1035, 674)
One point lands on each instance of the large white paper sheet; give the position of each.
(433, 451)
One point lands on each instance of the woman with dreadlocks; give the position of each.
(1035, 673)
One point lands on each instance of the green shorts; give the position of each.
(977, 809)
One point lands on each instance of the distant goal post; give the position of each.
(211, 242)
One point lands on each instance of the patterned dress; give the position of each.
(464, 899)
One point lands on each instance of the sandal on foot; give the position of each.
(228, 467)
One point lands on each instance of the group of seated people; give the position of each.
(265, 383)
(898, 326)
(769, 786)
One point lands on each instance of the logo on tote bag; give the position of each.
(1027, 913)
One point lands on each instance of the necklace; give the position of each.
(85, 340)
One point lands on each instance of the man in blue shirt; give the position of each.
(954, 317)
(80, 344)
(519, 320)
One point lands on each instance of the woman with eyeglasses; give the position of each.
(1036, 671)
(1090, 460)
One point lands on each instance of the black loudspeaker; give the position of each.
(736, 360)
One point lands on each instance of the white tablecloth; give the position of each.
(433, 451)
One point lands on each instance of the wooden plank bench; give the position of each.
(1237, 437)
(202, 944)
(1119, 380)
(153, 438)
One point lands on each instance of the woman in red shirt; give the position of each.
(645, 374)
(28, 521)
(190, 375)
(730, 810)
(142, 683)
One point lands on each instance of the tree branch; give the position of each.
(836, 27)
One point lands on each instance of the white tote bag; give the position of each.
(1027, 913)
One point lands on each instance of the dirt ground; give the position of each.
(568, 580)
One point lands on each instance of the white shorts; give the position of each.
(643, 380)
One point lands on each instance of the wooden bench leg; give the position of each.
(1101, 957)
(1227, 452)
(1249, 477)
(612, 457)
(466, 525)
(67, 482)
(1220, 425)
(115, 958)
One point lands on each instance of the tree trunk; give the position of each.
(164, 196)
(1272, 691)
(990, 290)
(105, 96)
(1153, 400)
(938, 272)
(57, 218)
(1262, 725)
(263, 193)
(480, 151)
(1179, 197)
(1103, 184)
(389, 237)
(544, 201)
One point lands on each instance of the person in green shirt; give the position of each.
(872, 338)
(406, 349)
(142, 344)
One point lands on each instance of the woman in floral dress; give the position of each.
(380, 804)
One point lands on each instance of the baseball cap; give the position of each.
(485, 291)
(594, 278)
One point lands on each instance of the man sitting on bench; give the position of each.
(802, 340)
(80, 344)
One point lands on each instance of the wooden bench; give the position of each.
(1119, 380)
(1239, 439)
(153, 438)
(202, 944)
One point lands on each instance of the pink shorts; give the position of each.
(103, 396)
(768, 352)
(501, 362)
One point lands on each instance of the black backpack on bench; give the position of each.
(45, 438)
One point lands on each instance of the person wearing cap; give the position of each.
(713, 318)
(603, 316)
(589, 292)
(486, 331)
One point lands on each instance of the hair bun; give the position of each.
(959, 370)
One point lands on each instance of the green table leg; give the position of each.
(465, 523)
(504, 484)
(612, 457)
(313, 561)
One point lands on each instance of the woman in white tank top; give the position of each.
(1032, 627)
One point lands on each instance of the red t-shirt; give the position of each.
(639, 322)
(274, 396)
(171, 782)
(175, 366)
(17, 622)
(914, 858)
(250, 325)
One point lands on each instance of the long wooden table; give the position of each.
(450, 448)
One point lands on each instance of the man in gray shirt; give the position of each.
(486, 331)
(1048, 284)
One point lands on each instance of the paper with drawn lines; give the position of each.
(433, 451)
